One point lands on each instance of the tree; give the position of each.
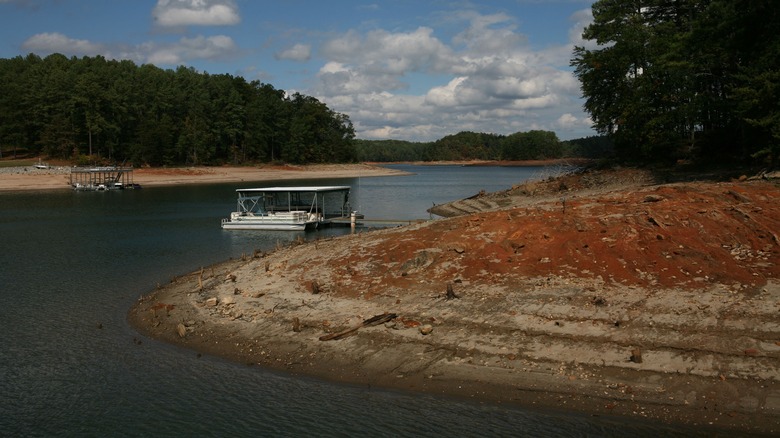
(683, 79)
(532, 145)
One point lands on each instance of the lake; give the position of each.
(73, 263)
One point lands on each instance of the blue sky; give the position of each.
(407, 70)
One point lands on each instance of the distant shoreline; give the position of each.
(25, 178)
(28, 178)
(498, 163)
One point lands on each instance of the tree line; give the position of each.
(686, 79)
(466, 145)
(93, 109)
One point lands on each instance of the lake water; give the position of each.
(73, 263)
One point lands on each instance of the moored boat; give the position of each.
(290, 208)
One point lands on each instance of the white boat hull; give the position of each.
(286, 221)
(264, 226)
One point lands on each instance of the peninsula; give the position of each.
(610, 292)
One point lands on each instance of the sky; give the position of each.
(405, 70)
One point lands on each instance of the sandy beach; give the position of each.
(606, 293)
(57, 177)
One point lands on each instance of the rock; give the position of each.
(654, 198)
(228, 300)
(426, 329)
(211, 302)
(181, 330)
(636, 355)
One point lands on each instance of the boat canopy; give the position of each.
(326, 202)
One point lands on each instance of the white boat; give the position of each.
(290, 208)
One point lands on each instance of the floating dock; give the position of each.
(102, 178)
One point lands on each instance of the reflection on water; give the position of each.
(72, 264)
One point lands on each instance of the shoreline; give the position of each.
(274, 338)
(29, 178)
(521, 326)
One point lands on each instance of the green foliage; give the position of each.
(594, 147)
(532, 145)
(686, 79)
(385, 151)
(117, 112)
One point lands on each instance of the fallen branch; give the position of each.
(374, 320)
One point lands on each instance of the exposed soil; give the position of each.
(604, 292)
(58, 177)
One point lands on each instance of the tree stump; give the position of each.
(636, 355)
(450, 292)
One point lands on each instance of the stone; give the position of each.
(426, 329)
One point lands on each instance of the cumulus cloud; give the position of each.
(486, 79)
(173, 13)
(200, 47)
(571, 122)
(581, 20)
(183, 51)
(393, 53)
(298, 52)
(45, 43)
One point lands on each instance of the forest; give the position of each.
(92, 110)
(685, 79)
(531, 145)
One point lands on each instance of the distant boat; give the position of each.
(290, 208)
(41, 165)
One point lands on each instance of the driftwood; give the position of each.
(374, 320)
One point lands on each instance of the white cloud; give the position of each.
(571, 122)
(581, 20)
(183, 51)
(486, 79)
(188, 49)
(298, 52)
(393, 53)
(172, 13)
(45, 43)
